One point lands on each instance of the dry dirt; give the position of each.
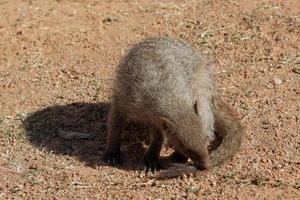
(57, 60)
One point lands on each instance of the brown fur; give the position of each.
(165, 83)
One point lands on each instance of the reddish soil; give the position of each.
(57, 60)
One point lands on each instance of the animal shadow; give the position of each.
(42, 130)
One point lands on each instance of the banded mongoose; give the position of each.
(165, 83)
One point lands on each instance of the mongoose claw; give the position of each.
(112, 159)
(152, 165)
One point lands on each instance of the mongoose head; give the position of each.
(186, 136)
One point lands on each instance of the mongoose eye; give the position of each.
(196, 108)
(164, 125)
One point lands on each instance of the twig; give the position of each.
(176, 170)
(69, 135)
(244, 117)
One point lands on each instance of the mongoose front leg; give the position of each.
(151, 158)
(116, 123)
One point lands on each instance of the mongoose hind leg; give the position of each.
(151, 158)
(116, 122)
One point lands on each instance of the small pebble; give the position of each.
(296, 70)
(109, 20)
(277, 81)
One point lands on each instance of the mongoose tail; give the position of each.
(229, 129)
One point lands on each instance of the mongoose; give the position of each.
(165, 83)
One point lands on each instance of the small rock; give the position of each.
(296, 70)
(109, 20)
(213, 183)
(263, 160)
(20, 32)
(192, 189)
(277, 81)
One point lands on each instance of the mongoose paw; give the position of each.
(152, 164)
(112, 159)
(178, 157)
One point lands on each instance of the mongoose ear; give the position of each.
(165, 123)
(196, 108)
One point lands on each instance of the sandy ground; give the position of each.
(57, 60)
